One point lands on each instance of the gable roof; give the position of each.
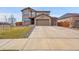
(28, 8)
(55, 18)
(67, 15)
(43, 14)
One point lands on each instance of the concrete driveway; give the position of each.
(53, 32)
(45, 38)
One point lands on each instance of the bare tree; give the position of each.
(5, 18)
(3, 23)
(12, 20)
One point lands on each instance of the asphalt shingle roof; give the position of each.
(69, 15)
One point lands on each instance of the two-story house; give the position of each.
(39, 18)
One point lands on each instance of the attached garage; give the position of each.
(43, 20)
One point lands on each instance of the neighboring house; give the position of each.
(41, 18)
(69, 20)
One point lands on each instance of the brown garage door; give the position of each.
(42, 22)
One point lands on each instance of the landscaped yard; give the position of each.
(15, 32)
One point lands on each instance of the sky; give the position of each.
(54, 11)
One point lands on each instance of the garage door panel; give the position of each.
(42, 22)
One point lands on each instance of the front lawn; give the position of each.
(15, 32)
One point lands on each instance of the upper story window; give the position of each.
(26, 13)
(33, 14)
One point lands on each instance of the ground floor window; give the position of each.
(26, 19)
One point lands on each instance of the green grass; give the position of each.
(15, 32)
